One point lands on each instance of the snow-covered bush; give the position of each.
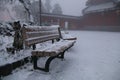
(1, 40)
(6, 29)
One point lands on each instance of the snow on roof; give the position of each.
(100, 7)
(60, 16)
(117, 0)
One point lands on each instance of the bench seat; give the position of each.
(54, 49)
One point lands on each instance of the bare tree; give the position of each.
(25, 10)
(48, 6)
(35, 11)
(57, 9)
(26, 4)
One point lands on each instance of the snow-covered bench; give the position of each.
(36, 34)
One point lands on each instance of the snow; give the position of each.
(43, 27)
(58, 46)
(5, 40)
(95, 56)
(67, 35)
(14, 58)
(6, 57)
(37, 32)
(100, 7)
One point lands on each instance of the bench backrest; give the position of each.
(37, 34)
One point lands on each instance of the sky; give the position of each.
(71, 7)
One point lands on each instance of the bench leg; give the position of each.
(47, 64)
(57, 40)
(52, 41)
(34, 46)
(35, 62)
(61, 55)
(35, 58)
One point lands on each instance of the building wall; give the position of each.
(94, 2)
(72, 22)
(109, 20)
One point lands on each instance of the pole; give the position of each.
(40, 5)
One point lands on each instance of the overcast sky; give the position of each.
(71, 7)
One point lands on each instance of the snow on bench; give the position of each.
(54, 49)
(67, 36)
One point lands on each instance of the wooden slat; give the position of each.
(41, 39)
(43, 54)
(71, 38)
(40, 28)
(34, 35)
(40, 33)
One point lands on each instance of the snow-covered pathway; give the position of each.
(95, 56)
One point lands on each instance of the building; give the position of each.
(101, 15)
(98, 15)
(65, 21)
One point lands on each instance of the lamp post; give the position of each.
(40, 5)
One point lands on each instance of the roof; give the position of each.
(117, 0)
(99, 7)
(60, 16)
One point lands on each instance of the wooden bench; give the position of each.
(36, 34)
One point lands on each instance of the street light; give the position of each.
(40, 5)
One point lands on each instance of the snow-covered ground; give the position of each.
(95, 56)
(6, 57)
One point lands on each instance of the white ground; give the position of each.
(95, 56)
